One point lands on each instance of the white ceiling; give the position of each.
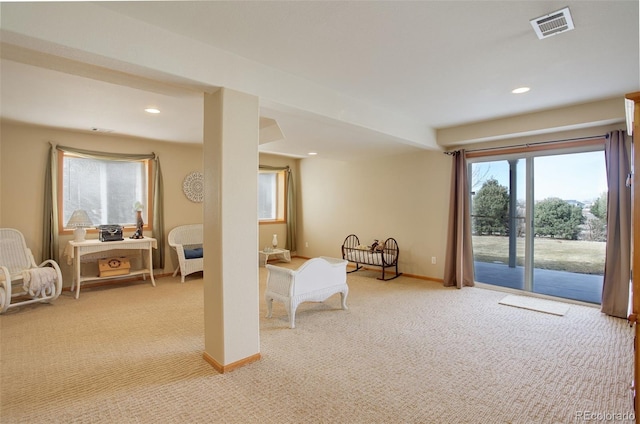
(439, 63)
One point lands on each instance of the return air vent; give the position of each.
(553, 23)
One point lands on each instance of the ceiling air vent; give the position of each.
(553, 23)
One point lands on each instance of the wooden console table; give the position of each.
(95, 250)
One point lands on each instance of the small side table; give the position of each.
(282, 254)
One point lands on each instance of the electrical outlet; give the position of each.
(306, 244)
(433, 260)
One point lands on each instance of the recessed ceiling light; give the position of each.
(312, 153)
(152, 110)
(520, 90)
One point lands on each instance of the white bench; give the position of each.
(314, 281)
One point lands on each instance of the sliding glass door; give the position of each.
(538, 222)
(498, 206)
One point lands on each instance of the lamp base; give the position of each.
(79, 234)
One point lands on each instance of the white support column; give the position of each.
(230, 151)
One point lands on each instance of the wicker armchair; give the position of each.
(40, 283)
(187, 242)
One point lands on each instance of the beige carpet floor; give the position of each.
(406, 351)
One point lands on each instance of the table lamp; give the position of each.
(79, 221)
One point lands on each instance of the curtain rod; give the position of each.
(273, 168)
(539, 143)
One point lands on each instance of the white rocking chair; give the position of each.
(40, 283)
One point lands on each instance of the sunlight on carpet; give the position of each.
(535, 304)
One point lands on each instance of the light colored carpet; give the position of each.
(406, 351)
(535, 304)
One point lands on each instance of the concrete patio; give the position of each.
(568, 285)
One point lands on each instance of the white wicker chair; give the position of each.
(182, 238)
(16, 262)
(314, 281)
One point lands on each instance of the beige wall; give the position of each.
(599, 130)
(543, 124)
(23, 154)
(405, 197)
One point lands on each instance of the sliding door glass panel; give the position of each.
(498, 209)
(569, 225)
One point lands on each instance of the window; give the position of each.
(538, 220)
(106, 189)
(271, 196)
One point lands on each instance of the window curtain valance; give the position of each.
(290, 243)
(90, 154)
(50, 245)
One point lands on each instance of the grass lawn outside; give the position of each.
(584, 257)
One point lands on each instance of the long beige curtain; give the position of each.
(290, 243)
(291, 213)
(50, 245)
(617, 268)
(50, 237)
(458, 266)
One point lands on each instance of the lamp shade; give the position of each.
(79, 220)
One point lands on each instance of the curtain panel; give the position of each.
(51, 240)
(290, 243)
(458, 267)
(617, 268)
